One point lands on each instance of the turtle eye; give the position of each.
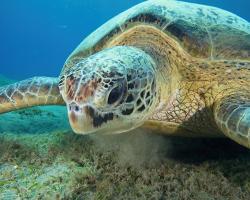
(115, 94)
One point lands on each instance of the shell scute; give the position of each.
(230, 43)
(194, 38)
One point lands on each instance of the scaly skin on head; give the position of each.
(112, 91)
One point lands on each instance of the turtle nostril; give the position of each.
(77, 108)
(74, 107)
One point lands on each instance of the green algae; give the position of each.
(76, 167)
(29, 171)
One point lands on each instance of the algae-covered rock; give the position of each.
(35, 120)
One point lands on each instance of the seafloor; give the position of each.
(41, 158)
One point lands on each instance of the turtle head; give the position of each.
(110, 92)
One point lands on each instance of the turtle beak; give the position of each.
(80, 120)
(85, 119)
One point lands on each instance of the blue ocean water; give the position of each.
(36, 36)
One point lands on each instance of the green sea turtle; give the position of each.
(169, 66)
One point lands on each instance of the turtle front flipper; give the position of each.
(31, 92)
(232, 115)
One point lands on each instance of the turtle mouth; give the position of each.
(87, 120)
(98, 118)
